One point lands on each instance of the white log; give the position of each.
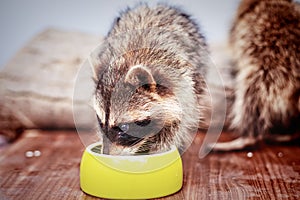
(36, 86)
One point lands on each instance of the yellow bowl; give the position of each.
(130, 177)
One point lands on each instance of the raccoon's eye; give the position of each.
(144, 122)
(124, 127)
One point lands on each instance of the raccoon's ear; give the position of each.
(140, 76)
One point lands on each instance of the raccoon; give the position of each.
(150, 89)
(265, 41)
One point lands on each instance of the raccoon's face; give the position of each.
(136, 114)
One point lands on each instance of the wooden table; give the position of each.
(269, 172)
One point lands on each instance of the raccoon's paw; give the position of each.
(236, 144)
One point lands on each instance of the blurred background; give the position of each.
(22, 20)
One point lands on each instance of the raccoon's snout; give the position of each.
(119, 135)
(125, 139)
(129, 134)
(117, 138)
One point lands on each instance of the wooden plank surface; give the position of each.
(269, 172)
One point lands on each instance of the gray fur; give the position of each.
(145, 44)
(265, 42)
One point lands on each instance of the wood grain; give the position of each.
(271, 173)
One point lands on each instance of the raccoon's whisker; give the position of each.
(136, 142)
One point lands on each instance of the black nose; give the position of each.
(118, 136)
(122, 136)
(125, 139)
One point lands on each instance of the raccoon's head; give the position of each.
(137, 111)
